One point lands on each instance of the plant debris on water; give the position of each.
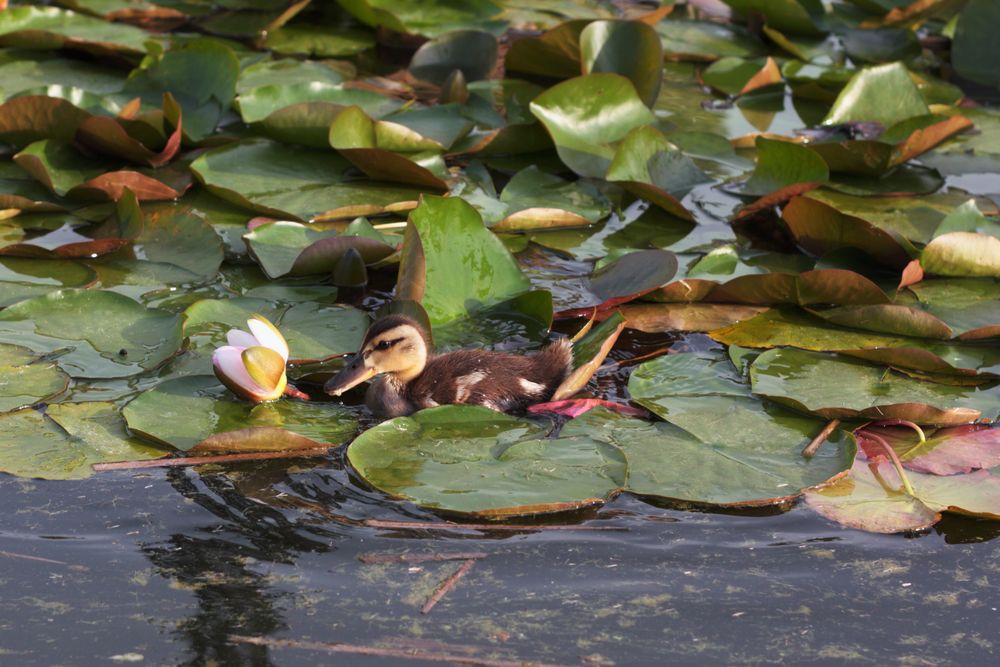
(804, 182)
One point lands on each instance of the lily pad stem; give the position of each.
(295, 393)
(902, 422)
(810, 450)
(895, 462)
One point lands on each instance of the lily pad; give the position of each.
(452, 264)
(871, 498)
(969, 306)
(289, 248)
(754, 460)
(197, 414)
(99, 334)
(975, 50)
(54, 28)
(472, 52)
(65, 441)
(625, 279)
(883, 94)
(24, 278)
(945, 451)
(26, 379)
(587, 116)
(776, 327)
(296, 183)
(649, 166)
(962, 254)
(534, 199)
(473, 461)
(629, 48)
(588, 354)
(842, 388)
(707, 40)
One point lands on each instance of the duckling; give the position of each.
(397, 350)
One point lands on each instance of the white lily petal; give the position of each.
(269, 336)
(240, 338)
(228, 361)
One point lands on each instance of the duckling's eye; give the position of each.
(383, 345)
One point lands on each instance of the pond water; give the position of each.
(165, 567)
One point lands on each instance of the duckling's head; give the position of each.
(396, 345)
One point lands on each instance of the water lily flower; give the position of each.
(252, 366)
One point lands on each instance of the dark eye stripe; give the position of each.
(386, 344)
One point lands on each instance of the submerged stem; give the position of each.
(895, 462)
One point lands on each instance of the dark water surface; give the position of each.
(162, 567)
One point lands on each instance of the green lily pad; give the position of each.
(473, 461)
(472, 52)
(53, 28)
(534, 199)
(319, 40)
(843, 388)
(313, 331)
(871, 498)
(755, 459)
(371, 145)
(452, 264)
(23, 71)
(430, 18)
(707, 40)
(555, 53)
(24, 278)
(883, 94)
(629, 48)
(67, 440)
(623, 280)
(792, 16)
(974, 50)
(781, 164)
(99, 334)
(200, 74)
(197, 414)
(649, 166)
(969, 306)
(296, 183)
(289, 248)
(267, 87)
(587, 116)
(776, 328)
(26, 380)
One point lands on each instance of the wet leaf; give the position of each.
(625, 279)
(91, 329)
(754, 460)
(54, 28)
(67, 440)
(471, 460)
(452, 264)
(665, 317)
(842, 388)
(969, 306)
(587, 116)
(196, 414)
(534, 199)
(793, 16)
(946, 451)
(781, 164)
(26, 379)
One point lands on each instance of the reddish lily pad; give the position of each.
(945, 451)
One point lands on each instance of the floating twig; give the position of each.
(371, 559)
(447, 525)
(447, 585)
(408, 654)
(10, 554)
(216, 458)
(810, 450)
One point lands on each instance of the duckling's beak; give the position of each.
(354, 373)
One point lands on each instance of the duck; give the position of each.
(408, 376)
